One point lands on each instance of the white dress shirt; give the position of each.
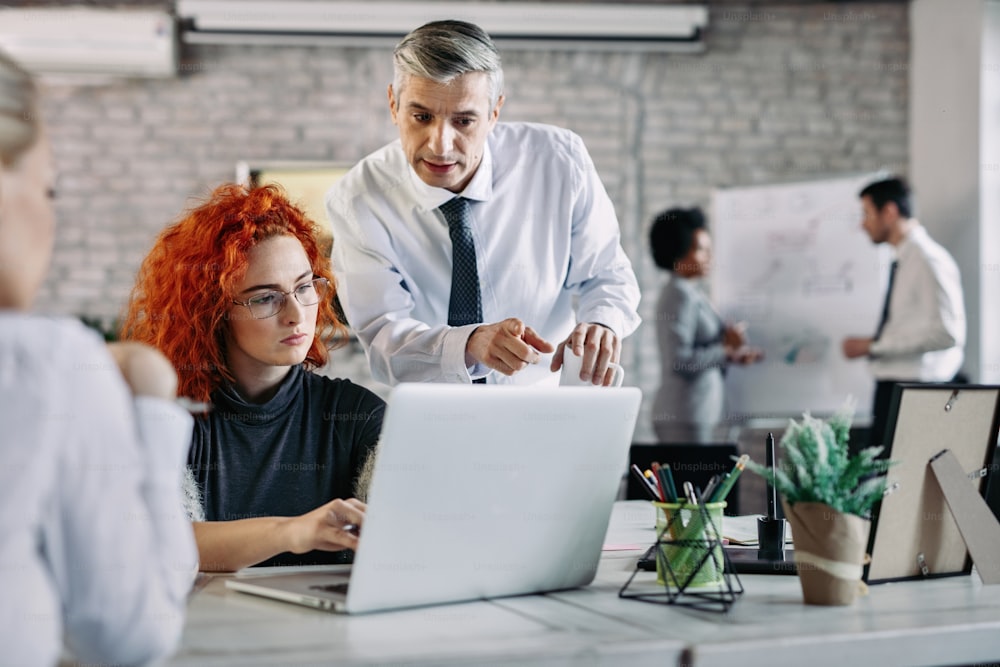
(96, 548)
(924, 335)
(546, 236)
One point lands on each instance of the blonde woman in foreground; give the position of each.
(96, 548)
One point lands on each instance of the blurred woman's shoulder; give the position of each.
(47, 341)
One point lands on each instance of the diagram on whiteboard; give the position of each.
(807, 347)
(792, 261)
(783, 275)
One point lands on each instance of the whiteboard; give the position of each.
(793, 262)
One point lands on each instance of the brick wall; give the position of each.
(782, 93)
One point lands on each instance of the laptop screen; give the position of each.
(487, 490)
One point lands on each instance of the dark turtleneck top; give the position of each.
(299, 450)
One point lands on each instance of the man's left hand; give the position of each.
(598, 345)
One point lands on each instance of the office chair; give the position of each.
(858, 437)
(689, 463)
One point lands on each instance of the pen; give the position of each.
(710, 487)
(694, 530)
(658, 481)
(669, 495)
(671, 487)
(727, 484)
(772, 494)
(352, 528)
(655, 477)
(643, 482)
(689, 493)
(652, 482)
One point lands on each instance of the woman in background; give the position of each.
(695, 344)
(94, 545)
(238, 296)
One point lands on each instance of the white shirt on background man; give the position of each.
(924, 335)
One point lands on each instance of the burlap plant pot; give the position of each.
(829, 552)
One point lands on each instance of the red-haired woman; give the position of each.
(238, 296)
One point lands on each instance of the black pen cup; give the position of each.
(770, 536)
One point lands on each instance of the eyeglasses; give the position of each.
(270, 303)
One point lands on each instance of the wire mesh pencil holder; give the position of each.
(692, 568)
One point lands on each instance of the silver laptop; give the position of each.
(479, 492)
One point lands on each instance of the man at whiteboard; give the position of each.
(921, 333)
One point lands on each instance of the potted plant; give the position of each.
(827, 496)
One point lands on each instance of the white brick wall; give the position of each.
(782, 93)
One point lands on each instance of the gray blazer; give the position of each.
(689, 332)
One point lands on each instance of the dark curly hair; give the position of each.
(672, 234)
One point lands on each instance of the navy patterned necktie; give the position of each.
(888, 297)
(465, 305)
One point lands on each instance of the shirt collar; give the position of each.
(916, 235)
(480, 188)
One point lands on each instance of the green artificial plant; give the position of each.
(816, 466)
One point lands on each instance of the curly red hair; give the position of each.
(185, 285)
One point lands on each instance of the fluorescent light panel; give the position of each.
(263, 21)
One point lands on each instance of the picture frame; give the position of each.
(914, 534)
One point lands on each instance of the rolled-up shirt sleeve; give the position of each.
(599, 268)
(379, 306)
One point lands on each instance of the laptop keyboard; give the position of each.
(340, 588)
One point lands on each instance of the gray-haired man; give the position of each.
(531, 211)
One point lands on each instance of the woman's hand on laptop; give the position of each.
(330, 527)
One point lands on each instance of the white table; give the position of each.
(944, 621)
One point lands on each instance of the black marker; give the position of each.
(771, 530)
(772, 494)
